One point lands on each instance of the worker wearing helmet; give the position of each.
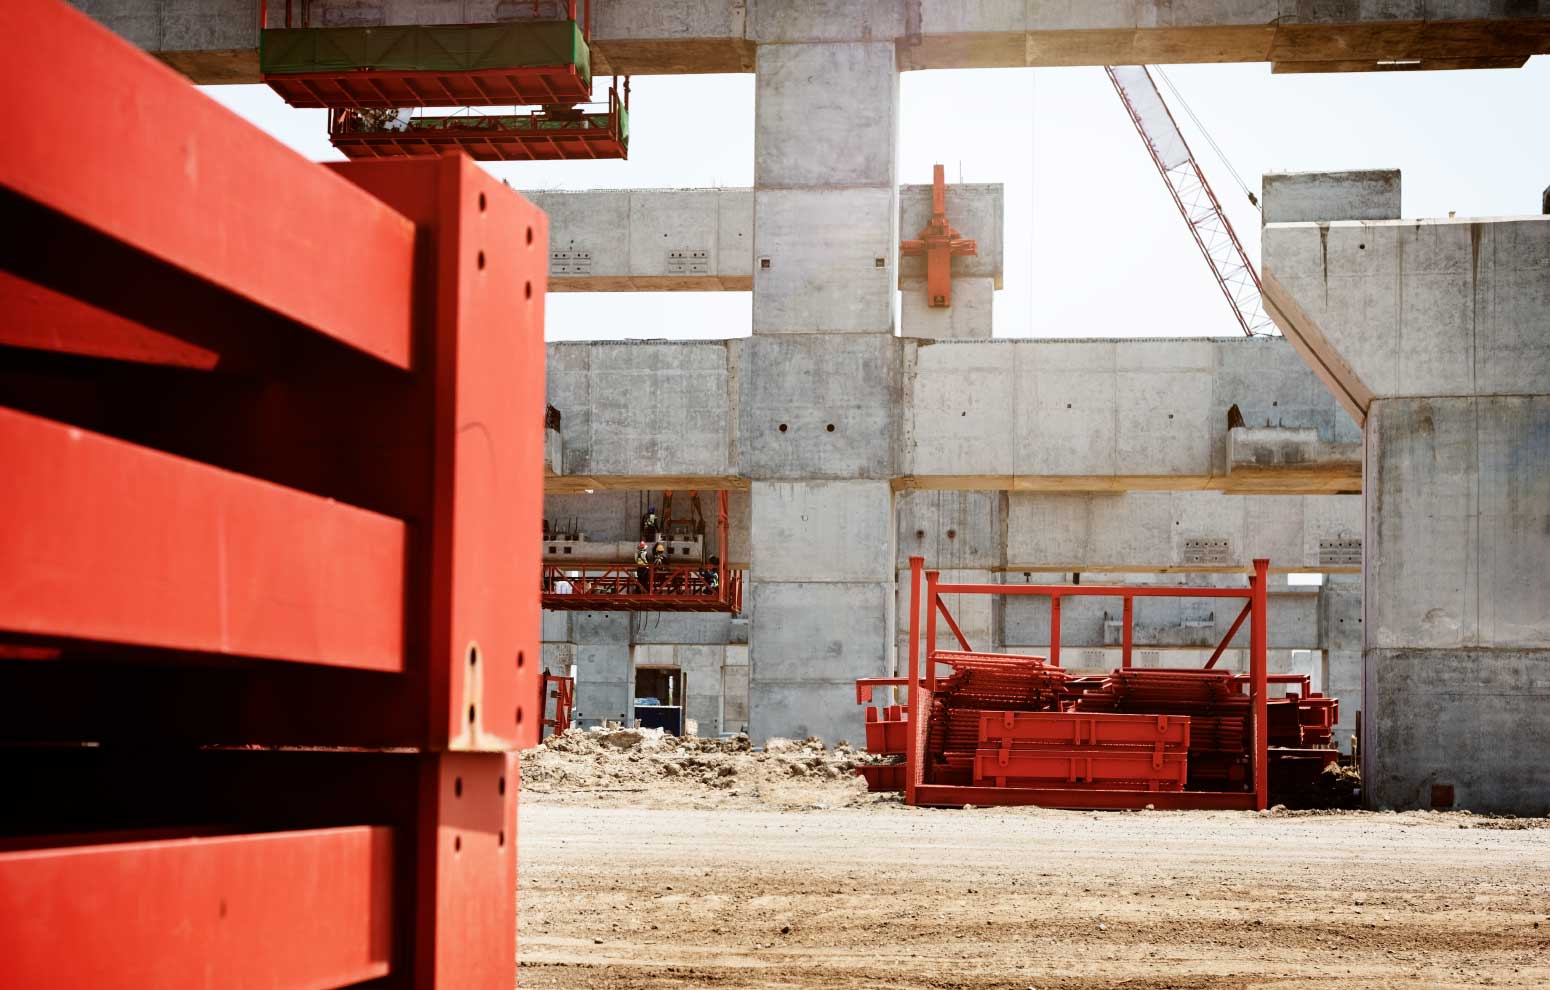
(659, 554)
(650, 525)
(643, 566)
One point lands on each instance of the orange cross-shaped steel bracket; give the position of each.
(939, 242)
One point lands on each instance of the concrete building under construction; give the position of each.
(1395, 437)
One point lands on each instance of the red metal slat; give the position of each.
(489, 254)
(40, 318)
(269, 911)
(113, 542)
(1053, 797)
(1074, 767)
(145, 159)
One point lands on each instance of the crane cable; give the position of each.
(1207, 135)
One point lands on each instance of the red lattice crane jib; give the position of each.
(940, 243)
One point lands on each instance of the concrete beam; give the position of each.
(1179, 532)
(1112, 415)
(217, 41)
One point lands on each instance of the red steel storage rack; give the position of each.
(271, 448)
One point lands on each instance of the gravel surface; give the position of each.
(656, 879)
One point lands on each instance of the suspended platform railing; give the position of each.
(516, 63)
(626, 588)
(613, 586)
(551, 134)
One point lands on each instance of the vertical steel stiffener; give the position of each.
(271, 446)
(940, 243)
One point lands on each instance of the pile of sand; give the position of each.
(651, 768)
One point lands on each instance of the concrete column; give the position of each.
(1434, 336)
(1340, 613)
(602, 656)
(819, 384)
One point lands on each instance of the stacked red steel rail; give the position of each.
(1009, 729)
(271, 465)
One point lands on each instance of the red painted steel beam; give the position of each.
(1092, 591)
(141, 158)
(241, 912)
(117, 543)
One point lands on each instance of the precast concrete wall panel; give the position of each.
(822, 531)
(816, 264)
(1459, 512)
(640, 408)
(829, 632)
(951, 529)
(960, 418)
(808, 383)
(826, 115)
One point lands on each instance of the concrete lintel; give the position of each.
(701, 240)
(1332, 479)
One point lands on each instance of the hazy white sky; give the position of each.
(1094, 245)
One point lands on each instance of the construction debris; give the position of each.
(672, 771)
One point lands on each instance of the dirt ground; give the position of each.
(634, 877)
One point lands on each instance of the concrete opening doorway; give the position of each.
(658, 698)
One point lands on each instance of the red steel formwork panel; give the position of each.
(276, 433)
(1094, 775)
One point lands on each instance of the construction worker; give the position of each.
(659, 554)
(650, 525)
(643, 566)
(711, 576)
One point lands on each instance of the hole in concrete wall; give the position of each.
(1361, 247)
(880, 263)
(830, 428)
(952, 534)
(920, 534)
(1068, 405)
(764, 262)
(1170, 415)
(1442, 795)
(783, 427)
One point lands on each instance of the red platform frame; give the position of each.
(531, 137)
(276, 433)
(922, 684)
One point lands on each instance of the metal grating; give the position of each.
(1335, 553)
(1207, 551)
(688, 262)
(570, 262)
